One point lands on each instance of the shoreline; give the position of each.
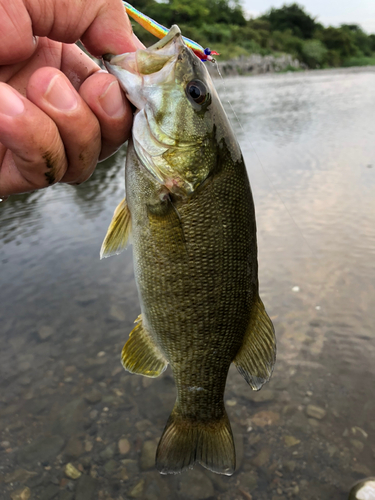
(257, 65)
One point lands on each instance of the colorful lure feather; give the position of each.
(160, 31)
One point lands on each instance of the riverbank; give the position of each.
(258, 65)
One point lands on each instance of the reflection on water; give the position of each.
(308, 142)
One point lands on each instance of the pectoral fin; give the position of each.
(140, 353)
(167, 230)
(256, 358)
(118, 232)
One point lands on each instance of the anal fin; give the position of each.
(118, 232)
(256, 358)
(140, 353)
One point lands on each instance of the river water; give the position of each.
(309, 144)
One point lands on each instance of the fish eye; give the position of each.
(197, 91)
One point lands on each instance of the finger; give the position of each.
(79, 129)
(102, 25)
(102, 93)
(76, 65)
(35, 156)
(16, 35)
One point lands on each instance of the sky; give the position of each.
(327, 12)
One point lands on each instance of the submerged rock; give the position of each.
(148, 455)
(72, 472)
(363, 490)
(40, 451)
(315, 412)
(21, 494)
(86, 488)
(195, 485)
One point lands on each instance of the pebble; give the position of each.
(111, 466)
(21, 494)
(358, 445)
(290, 465)
(358, 430)
(108, 452)
(93, 397)
(74, 448)
(117, 313)
(65, 495)
(45, 332)
(49, 492)
(361, 469)
(315, 412)
(137, 491)
(261, 458)
(148, 455)
(195, 485)
(291, 441)
(124, 446)
(313, 422)
(263, 418)
(71, 471)
(263, 396)
(41, 450)
(363, 490)
(86, 488)
(231, 402)
(249, 480)
(143, 425)
(19, 476)
(93, 414)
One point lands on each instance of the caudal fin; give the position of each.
(185, 442)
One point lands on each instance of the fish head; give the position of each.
(175, 130)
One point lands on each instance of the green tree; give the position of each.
(291, 17)
(314, 53)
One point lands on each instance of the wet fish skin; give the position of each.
(195, 256)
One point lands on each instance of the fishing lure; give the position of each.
(160, 31)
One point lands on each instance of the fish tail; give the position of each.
(185, 442)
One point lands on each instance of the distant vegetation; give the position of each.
(222, 25)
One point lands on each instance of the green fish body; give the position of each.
(190, 213)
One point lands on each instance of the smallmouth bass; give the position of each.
(190, 212)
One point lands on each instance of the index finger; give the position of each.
(102, 25)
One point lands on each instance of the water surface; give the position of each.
(308, 143)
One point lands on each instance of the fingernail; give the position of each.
(60, 95)
(10, 103)
(112, 101)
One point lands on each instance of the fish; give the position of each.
(189, 214)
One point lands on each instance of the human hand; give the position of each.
(59, 114)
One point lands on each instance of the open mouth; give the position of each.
(148, 61)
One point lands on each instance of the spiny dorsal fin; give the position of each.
(140, 353)
(118, 232)
(256, 358)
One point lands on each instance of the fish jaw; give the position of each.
(144, 68)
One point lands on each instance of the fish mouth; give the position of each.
(148, 61)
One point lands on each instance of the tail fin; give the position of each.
(185, 442)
